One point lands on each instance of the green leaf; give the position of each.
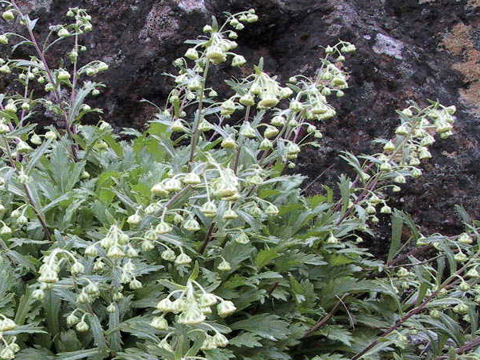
(267, 326)
(397, 226)
(265, 257)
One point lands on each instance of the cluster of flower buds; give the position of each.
(116, 244)
(414, 135)
(266, 88)
(50, 269)
(82, 23)
(79, 323)
(192, 307)
(9, 346)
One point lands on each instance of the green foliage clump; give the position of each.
(190, 241)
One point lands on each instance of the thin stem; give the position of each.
(199, 115)
(463, 349)
(208, 238)
(56, 93)
(320, 323)
(28, 194)
(240, 143)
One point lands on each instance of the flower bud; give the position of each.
(91, 251)
(173, 185)
(270, 132)
(82, 326)
(183, 259)
(77, 268)
(209, 209)
(177, 126)
(4, 129)
(63, 75)
(147, 245)
(63, 32)
(225, 308)
(7, 325)
(134, 219)
(207, 300)
(191, 54)
(168, 255)
(192, 315)
(247, 100)
(266, 144)
(238, 60)
(111, 308)
(5, 69)
(268, 101)
(165, 305)
(402, 130)
(159, 323)
(36, 140)
(159, 190)
(229, 215)
(228, 143)
(192, 179)
(135, 284)
(224, 266)
(464, 238)
(163, 228)
(72, 319)
(8, 15)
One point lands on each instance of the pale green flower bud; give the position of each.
(72, 319)
(192, 179)
(191, 54)
(159, 323)
(135, 284)
(209, 209)
(241, 238)
(228, 143)
(192, 315)
(238, 60)
(8, 15)
(82, 326)
(173, 185)
(225, 308)
(63, 32)
(268, 101)
(163, 228)
(207, 300)
(247, 100)
(7, 325)
(224, 266)
(165, 305)
(464, 238)
(134, 219)
(91, 251)
(77, 268)
(183, 259)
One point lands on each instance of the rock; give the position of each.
(404, 53)
(388, 46)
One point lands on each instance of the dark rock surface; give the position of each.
(407, 50)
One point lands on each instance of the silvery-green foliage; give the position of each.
(189, 240)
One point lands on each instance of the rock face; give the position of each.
(407, 50)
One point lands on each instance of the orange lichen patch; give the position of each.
(473, 3)
(459, 42)
(471, 95)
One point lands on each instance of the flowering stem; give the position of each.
(28, 193)
(56, 93)
(240, 143)
(199, 116)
